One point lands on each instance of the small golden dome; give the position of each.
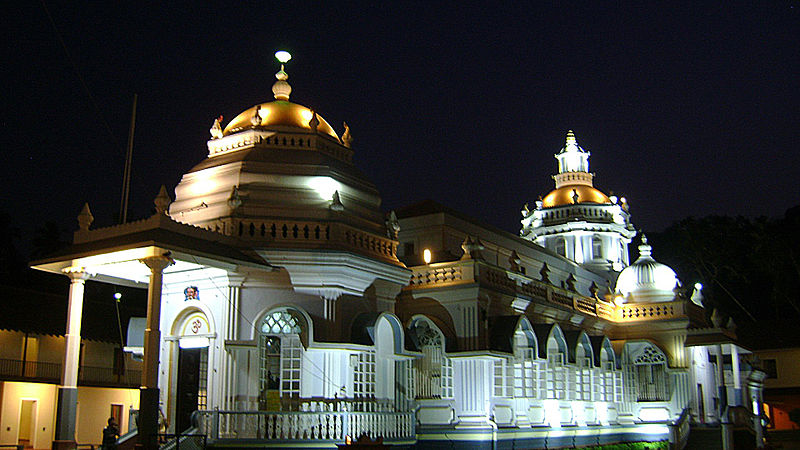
(565, 196)
(278, 113)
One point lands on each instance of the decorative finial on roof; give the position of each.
(347, 138)
(645, 250)
(570, 138)
(392, 225)
(235, 200)
(216, 128)
(162, 201)
(85, 218)
(336, 202)
(513, 262)
(545, 273)
(256, 119)
(314, 122)
(281, 88)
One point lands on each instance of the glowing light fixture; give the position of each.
(426, 256)
(325, 186)
(283, 56)
(698, 286)
(117, 296)
(619, 299)
(307, 115)
(193, 342)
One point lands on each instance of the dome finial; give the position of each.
(645, 250)
(281, 89)
(570, 137)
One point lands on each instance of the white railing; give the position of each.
(306, 425)
(679, 431)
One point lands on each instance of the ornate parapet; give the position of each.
(448, 274)
(306, 234)
(441, 274)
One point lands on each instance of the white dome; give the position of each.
(647, 280)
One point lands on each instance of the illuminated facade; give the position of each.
(289, 310)
(578, 221)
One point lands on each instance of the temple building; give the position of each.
(286, 309)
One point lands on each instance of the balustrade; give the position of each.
(333, 422)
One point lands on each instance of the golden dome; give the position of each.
(565, 196)
(278, 113)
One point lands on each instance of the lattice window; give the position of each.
(585, 377)
(556, 376)
(502, 378)
(411, 387)
(525, 374)
(281, 322)
(525, 367)
(202, 388)
(650, 375)
(434, 371)
(364, 374)
(447, 377)
(608, 380)
(599, 385)
(281, 355)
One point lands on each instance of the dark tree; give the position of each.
(749, 268)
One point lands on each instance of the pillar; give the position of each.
(737, 376)
(148, 392)
(727, 427)
(755, 384)
(228, 360)
(68, 391)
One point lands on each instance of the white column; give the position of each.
(69, 376)
(148, 393)
(231, 333)
(737, 378)
(68, 391)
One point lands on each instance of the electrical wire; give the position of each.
(326, 378)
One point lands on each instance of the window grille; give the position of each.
(502, 378)
(202, 388)
(584, 380)
(447, 377)
(650, 376)
(525, 374)
(364, 375)
(433, 372)
(555, 376)
(280, 354)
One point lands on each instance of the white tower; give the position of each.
(578, 221)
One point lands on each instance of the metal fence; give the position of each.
(51, 372)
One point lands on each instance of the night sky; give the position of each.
(688, 109)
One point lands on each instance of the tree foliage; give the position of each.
(749, 268)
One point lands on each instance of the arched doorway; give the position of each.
(192, 376)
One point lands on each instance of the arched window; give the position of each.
(526, 368)
(650, 375)
(556, 373)
(597, 247)
(583, 372)
(281, 355)
(609, 379)
(434, 371)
